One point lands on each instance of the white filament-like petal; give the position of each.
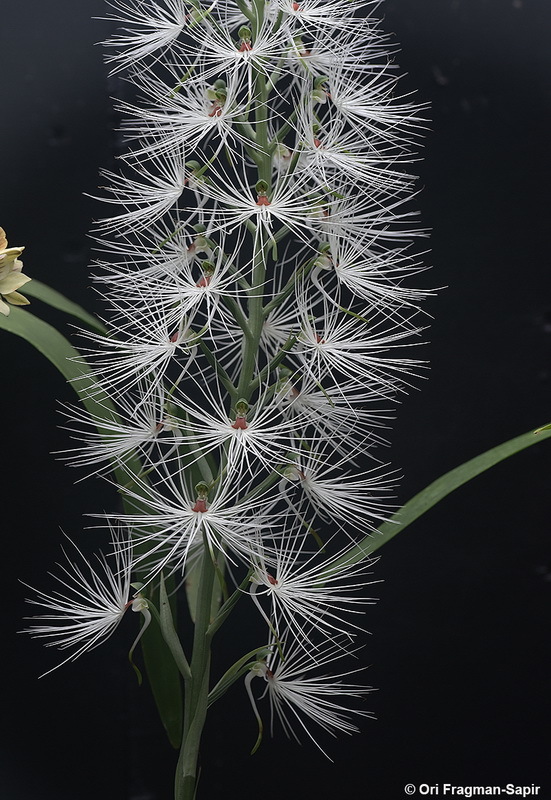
(90, 604)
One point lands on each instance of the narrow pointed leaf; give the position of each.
(163, 674)
(441, 488)
(164, 679)
(61, 353)
(236, 671)
(47, 340)
(169, 631)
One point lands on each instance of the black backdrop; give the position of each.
(460, 644)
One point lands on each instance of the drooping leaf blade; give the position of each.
(61, 353)
(164, 678)
(41, 291)
(47, 340)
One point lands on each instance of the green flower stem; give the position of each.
(245, 10)
(255, 295)
(256, 322)
(262, 91)
(246, 130)
(236, 671)
(243, 282)
(197, 686)
(289, 287)
(266, 484)
(280, 135)
(237, 313)
(275, 362)
(220, 371)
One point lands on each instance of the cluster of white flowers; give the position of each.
(255, 265)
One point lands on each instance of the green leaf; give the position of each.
(61, 353)
(57, 300)
(164, 679)
(440, 489)
(193, 581)
(47, 340)
(237, 670)
(169, 631)
(225, 610)
(162, 672)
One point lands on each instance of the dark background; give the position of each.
(460, 646)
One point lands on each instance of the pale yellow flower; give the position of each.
(11, 276)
